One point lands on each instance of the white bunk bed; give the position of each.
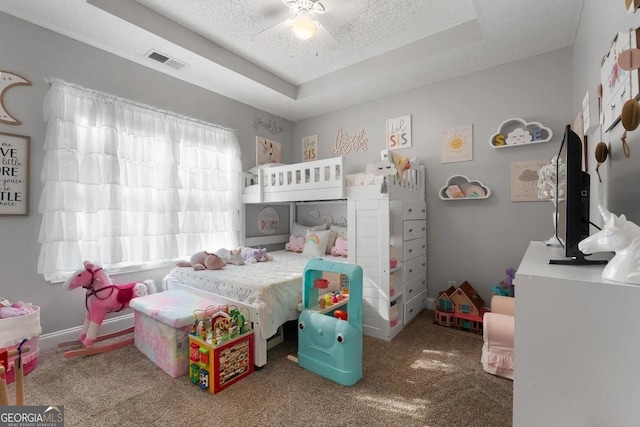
(303, 182)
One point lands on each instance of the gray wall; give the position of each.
(473, 240)
(599, 24)
(36, 54)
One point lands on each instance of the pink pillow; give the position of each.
(296, 244)
(340, 248)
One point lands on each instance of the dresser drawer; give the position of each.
(414, 229)
(414, 248)
(414, 268)
(414, 306)
(414, 286)
(414, 210)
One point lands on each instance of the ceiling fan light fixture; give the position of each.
(304, 27)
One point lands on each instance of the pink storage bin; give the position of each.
(15, 329)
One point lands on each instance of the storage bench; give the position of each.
(162, 325)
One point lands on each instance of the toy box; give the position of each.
(216, 367)
(15, 329)
(162, 325)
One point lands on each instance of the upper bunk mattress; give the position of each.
(273, 288)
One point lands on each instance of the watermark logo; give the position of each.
(32, 416)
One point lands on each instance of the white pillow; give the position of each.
(301, 230)
(254, 170)
(336, 231)
(315, 242)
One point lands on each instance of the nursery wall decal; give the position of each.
(346, 143)
(8, 80)
(310, 148)
(268, 151)
(457, 144)
(399, 132)
(14, 174)
(271, 126)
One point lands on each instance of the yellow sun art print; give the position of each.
(457, 145)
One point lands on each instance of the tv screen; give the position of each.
(576, 201)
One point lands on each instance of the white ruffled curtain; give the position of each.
(127, 185)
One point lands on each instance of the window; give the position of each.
(129, 186)
(445, 305)
(465, 308)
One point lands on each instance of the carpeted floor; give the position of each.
(427, 376)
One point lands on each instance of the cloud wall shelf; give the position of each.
(460, 187)
(517, 132)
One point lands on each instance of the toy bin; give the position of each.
(216, 367)
(15, 329)
(162, 325)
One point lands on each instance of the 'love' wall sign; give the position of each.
(14, 174)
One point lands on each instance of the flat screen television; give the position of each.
(576, 203)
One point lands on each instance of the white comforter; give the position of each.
(273, 288)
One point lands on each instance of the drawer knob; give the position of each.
(410, 230)
(411, 270)
(410, 290)
(410, 210)
(424, 228)
(410, 250)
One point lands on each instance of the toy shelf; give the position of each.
(517, 132)
(327, 309)
(460, 187)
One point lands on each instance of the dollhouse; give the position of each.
(461, 308)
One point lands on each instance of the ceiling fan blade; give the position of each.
(327, 38)
(274, 29)
(318, 8)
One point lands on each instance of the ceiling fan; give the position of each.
(302, 23)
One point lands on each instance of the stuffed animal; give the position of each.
(16, 309)
(254, 255)
(203, 260)
(296, 244)
(233, 256)
(340, 248)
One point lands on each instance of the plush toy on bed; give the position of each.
(254, 255)
(203, 260)
(340, 248)
(233, 256)
(296, 244)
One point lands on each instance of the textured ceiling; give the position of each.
(364, 49)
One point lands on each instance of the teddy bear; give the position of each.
(203, 260)
(340, 248)
(296, 244)
(233, 256)
(254, 255)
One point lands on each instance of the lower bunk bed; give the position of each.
(267, 292)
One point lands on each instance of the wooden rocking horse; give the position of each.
(102, 297)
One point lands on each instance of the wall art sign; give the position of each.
(618, 85)
(310, 148)
(524, 180)
(346, 143)
(14, 174)
(8, 80)
(457, 144)
(399, 132)
(271, 126)
(267, 151)
(268, 220)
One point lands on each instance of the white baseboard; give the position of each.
(51, 340)
(431, 304)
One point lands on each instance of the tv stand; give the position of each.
(577, 345)
(577, 261)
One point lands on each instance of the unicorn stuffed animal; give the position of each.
(103, 297)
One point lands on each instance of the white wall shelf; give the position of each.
(460, 187)
(517, 132)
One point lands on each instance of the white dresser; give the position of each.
(382, 228)
(577, 345)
